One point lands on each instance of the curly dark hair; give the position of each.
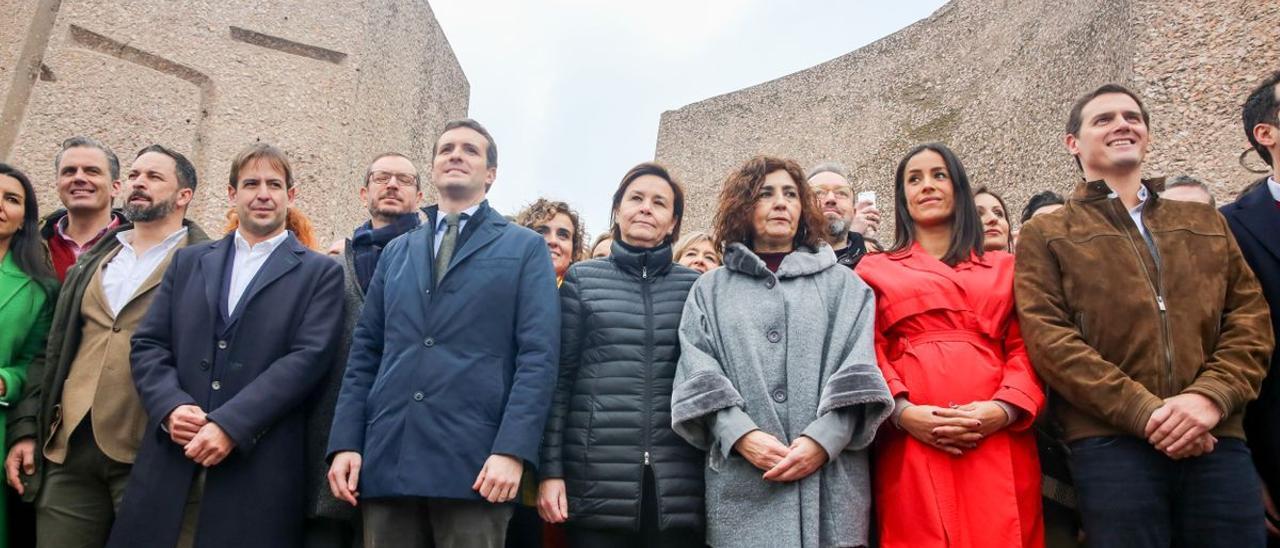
(733, 221)
(543, 210)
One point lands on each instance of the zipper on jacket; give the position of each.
(646, 294)
(1158, 290)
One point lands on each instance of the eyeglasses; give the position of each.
(385, 177)
(840, 192)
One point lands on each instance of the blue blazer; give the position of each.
(440, 378)
(251, 373)
(1255, 221)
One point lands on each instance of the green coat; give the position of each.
(25, 313)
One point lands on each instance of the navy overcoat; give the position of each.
(250, 373)
(441, 377)
(1255, 221)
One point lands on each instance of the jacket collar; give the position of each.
(1258, 215)
(1088, 191)
(639, 261)
(804, 261)
(50, 221)
(916, 257)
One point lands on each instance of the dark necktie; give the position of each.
(445, 253)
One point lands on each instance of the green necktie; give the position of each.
(445, 253)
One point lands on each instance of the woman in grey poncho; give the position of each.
(777, 377)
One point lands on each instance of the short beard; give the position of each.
(837, 227)
(386, 214)
(147, 214)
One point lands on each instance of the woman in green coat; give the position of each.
(27, 286)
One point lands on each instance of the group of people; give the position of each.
(450, 376)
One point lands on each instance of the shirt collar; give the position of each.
(1274, 188)
(466, 213)
(1142, 199)
(267, 246)
(60, 228)
(125, 237)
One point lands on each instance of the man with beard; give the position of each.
(391, 191)
(74, 436)
(241, 332)
(847, 222)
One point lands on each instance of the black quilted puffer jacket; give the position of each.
(611, 416)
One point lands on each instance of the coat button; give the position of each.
(222, 345)
(428, 342)
(115, 329)
(770, 283)
(774, 336)
(417, 396)
(779, 395)
(217, 385)
(204, 365)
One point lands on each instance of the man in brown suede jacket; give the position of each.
(1145, 321)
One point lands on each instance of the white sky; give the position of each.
(572, 90)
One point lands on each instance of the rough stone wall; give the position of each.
(332, 83)
(993, 79)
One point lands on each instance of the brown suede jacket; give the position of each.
(1113, 329)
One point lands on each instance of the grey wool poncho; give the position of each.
(790, 354)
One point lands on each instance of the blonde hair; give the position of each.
(691, 239)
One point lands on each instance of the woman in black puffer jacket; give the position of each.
(611, 465)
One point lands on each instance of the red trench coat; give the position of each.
(950, 336)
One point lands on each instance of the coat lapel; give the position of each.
(212, 265)
(484, 234)
(917, 259)
(12, 280)
(281, 261)
(1259, 215)
(421, 252)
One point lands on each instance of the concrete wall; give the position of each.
(333, 83)
(994, 79)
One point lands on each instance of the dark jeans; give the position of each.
(1133, 496)
(648, 535)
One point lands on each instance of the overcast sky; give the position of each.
(572, 90)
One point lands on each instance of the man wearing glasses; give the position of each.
(848, 223)
(392, 193)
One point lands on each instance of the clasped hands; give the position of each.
(955, 429)
(781, 463)
(202, 440)
(1180, 428)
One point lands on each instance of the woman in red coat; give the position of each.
(958, 466)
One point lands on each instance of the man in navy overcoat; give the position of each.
(452, 366)
(240, 333)
(1255, 221)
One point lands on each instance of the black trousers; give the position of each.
(647, 536)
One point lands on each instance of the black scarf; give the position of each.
(367, 244)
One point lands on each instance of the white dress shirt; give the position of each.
(1274, 188)
(1136, 212)
(442, 226)
(124, 274)
(248, 261)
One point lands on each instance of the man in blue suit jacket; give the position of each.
(452, 366)
(240, 333)
(1255, 221)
